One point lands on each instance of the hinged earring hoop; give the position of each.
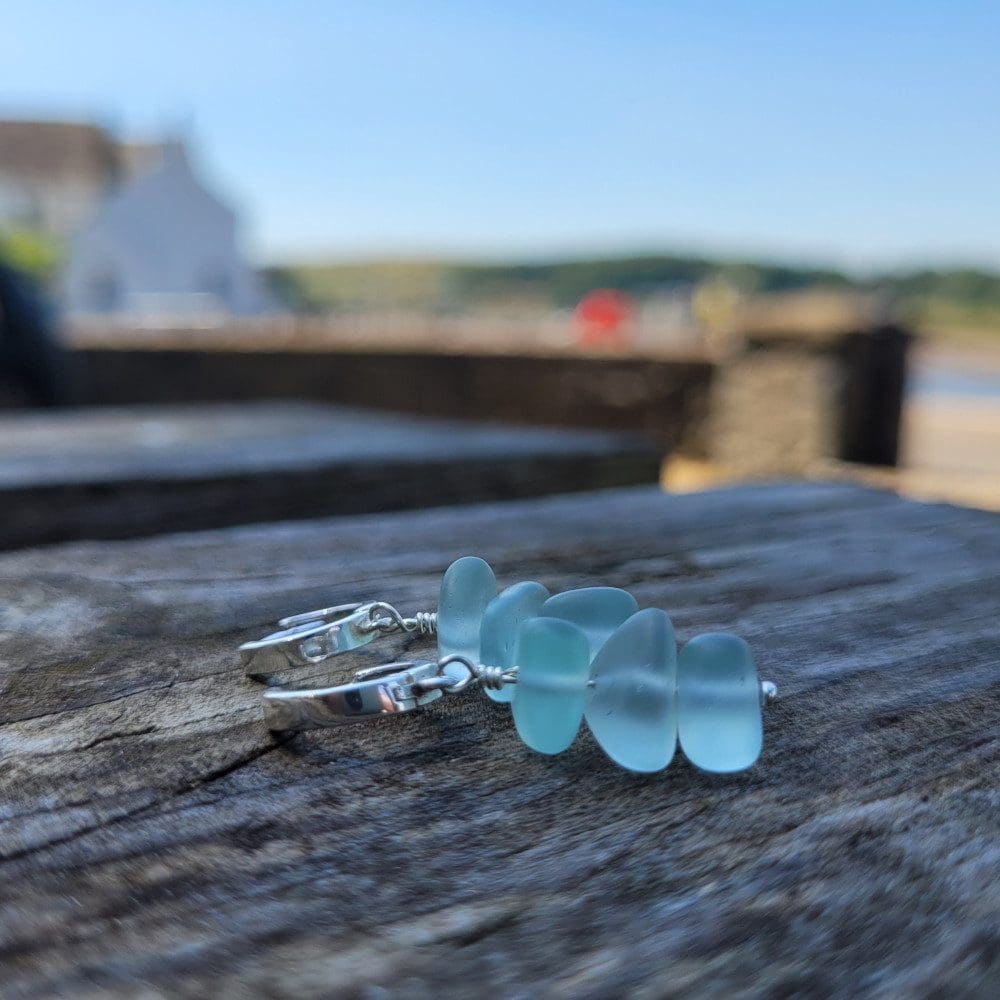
(314, 636)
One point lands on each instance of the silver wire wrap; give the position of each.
(495, 678)
(426, 622)
(423, 623)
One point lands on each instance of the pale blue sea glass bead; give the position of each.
(501, 624)
(718, 703)
(553, 662)
(467, 587)
(632, 702)
(596, 610)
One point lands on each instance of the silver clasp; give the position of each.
(310, 638)
(385, 690)
(329, 615)
(316, 635)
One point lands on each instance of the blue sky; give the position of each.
(862, 134)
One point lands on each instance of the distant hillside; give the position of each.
(962, 303)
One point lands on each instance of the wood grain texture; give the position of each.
(154, 839)
(130, 471)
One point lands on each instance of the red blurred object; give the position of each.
(602, 318)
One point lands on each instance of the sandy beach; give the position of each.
(951, 427)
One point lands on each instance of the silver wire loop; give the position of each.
(455, 686)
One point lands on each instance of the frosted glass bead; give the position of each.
(718, 703)
(467, 587)
(632, 704)
(596, 610)
(501, 623)
(553, 661)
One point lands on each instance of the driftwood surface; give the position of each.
(154, 838)
(121, 472)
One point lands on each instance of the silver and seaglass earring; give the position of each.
(583, 654)
(470, 611)
(467, 586)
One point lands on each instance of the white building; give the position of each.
(161, 247)
(53, 173)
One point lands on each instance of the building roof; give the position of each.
(56, 150)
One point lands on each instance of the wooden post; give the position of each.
(873, 390)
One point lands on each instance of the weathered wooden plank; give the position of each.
(661, 397)
(154, 838)
(123, 472)
(840, 388)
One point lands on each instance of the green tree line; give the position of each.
(561, 283)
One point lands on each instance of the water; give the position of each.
(937, 382)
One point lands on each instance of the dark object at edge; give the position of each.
(34, 368)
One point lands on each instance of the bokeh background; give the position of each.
(738, 187)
